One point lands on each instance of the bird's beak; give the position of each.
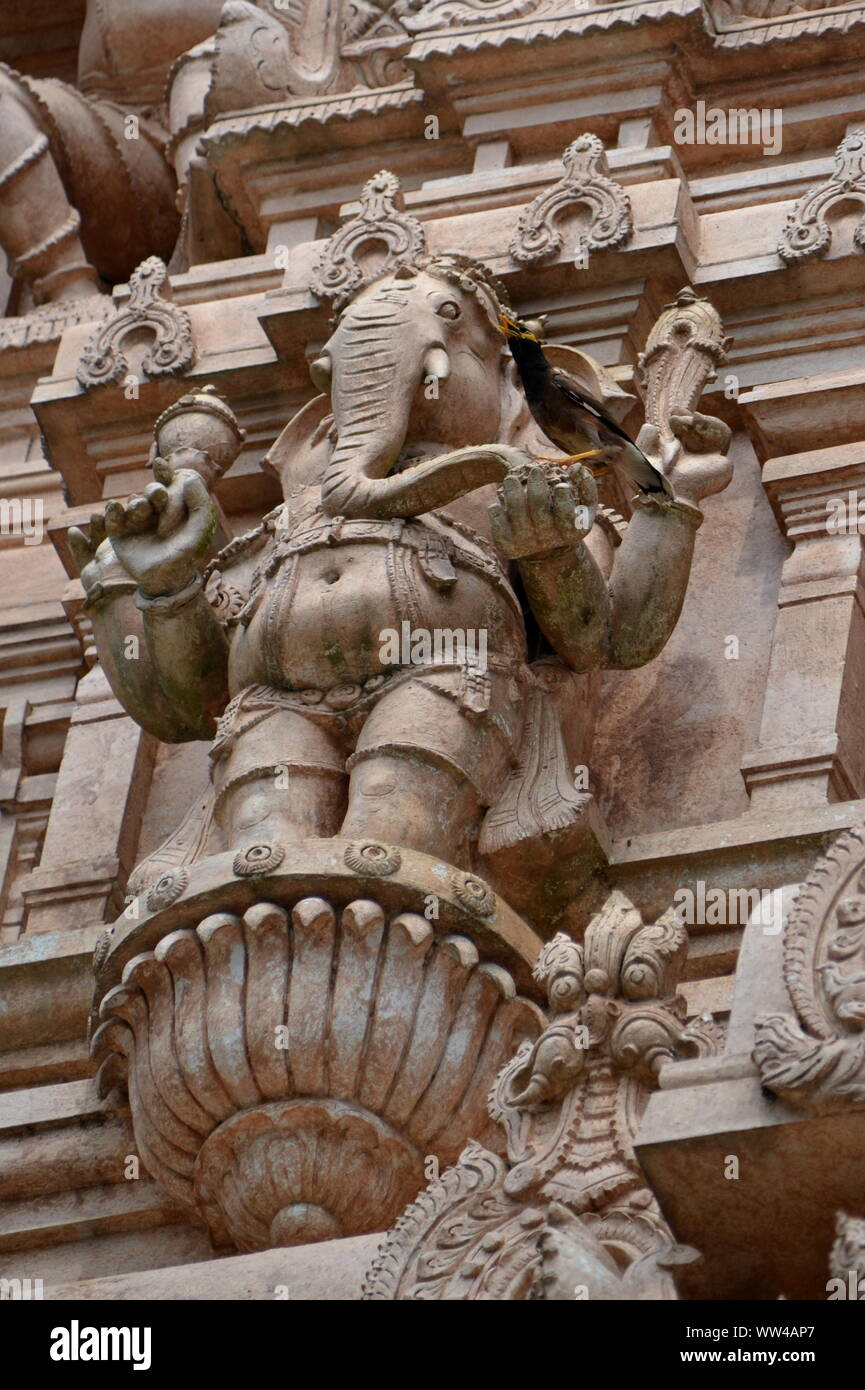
(513, 329)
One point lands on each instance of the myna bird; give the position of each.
(572, 419)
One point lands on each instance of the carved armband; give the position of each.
(166, 605)
(102, 593)
(666, 505)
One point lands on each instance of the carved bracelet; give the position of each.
(166, 605)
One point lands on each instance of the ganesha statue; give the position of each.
(396, 673)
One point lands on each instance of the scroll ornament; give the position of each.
(586, 181)
(807, 231)
(382, 220)
(149, 311)
(815, 1058)
(568, 1207)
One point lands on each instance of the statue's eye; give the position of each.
(449, 310)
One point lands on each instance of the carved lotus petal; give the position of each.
(371, 859)
(315, 1056)
(258, 860)
(167, 889)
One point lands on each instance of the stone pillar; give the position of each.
(812, 737)
(93, 827)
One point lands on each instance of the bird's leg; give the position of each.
(572, 458)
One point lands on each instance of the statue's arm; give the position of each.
(121, 641)
(537, 522)
(627, 622)
(649, 580)
(177, 683)
(188, 651)
(570, 600)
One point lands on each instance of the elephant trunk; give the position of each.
(373, 391)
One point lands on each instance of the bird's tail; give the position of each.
(644, 474)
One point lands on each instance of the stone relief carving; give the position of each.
(732, 10)
(682, 353)
(73, 168)
(410, 772)
(352, 256)
(418, 16)
(48, 322)
(586, 182)
(150, 310)
(70, 175)
(568, 1208)
(815, 1058)
(807, 231)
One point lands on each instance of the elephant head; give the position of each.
(416, 367)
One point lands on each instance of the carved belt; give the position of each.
(437, 554)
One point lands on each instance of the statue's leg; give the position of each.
(423, 771)
(39, 229)
(283, 780)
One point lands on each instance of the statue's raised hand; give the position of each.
(162, 535)
(96, 561)
(540, 511)
(695, 458)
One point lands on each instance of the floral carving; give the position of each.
(167, 889)
(371, 859)
(586, 181)
(473, 893)
(807, 231)
(421, 16)
(258, 860)
(341, 270)
(816, 1059)
(570, 1204)
(151, 311)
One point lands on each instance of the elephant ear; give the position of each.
(593, 376)
(299, 455)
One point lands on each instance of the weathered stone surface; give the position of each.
(675, 722)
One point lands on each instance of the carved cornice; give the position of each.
(586, 182)
(560, 23)
(750, 32)
(807, 231)
(816, 1059)
(49, 322)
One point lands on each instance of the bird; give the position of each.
(572, 419)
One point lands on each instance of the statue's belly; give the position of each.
(327, 617)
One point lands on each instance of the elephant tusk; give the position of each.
(436, 364)
(321, 371)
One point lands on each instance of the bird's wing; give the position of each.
(640, 470)
(568, 387)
